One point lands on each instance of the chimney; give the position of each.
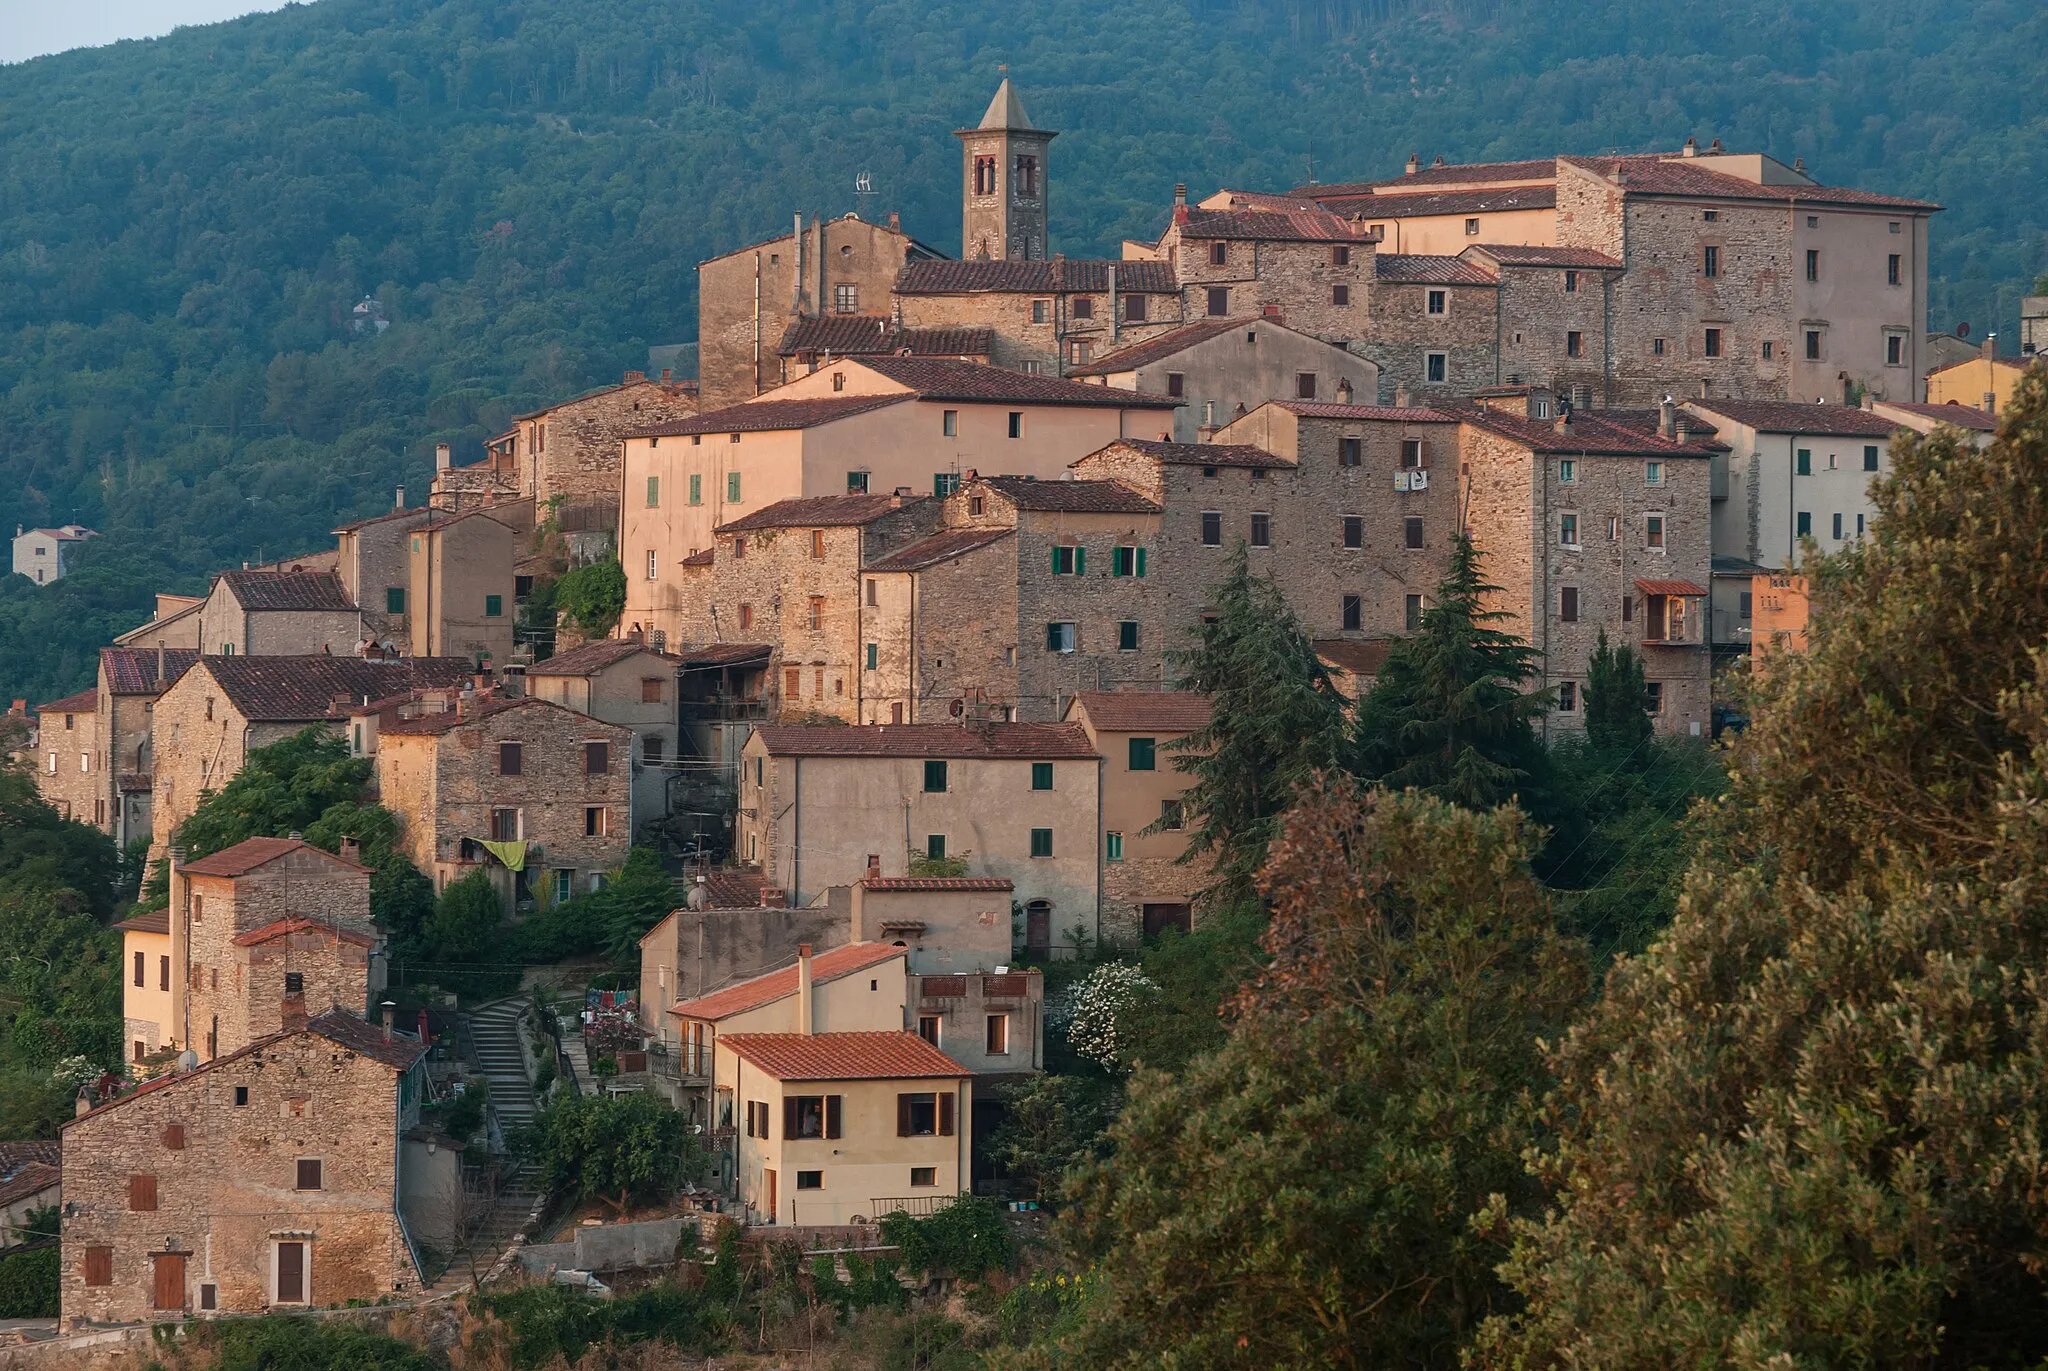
(1180, 204)
(874, 866)
(1683, 430)
(633, 376)
(971, 474)
(442, 460)
(1206, 433)
(1715, 146)
(1438, 162)
(388, 1010)
(772, 897)
(351, 851)
(398, 498)
(1799, 165)
(895, 221)
(1563, 422)
(1414, 164)
(1401, 397)
(1667, 418)
(803, 989)
(294, 1007)
(1691, 148)
(159, 661)
(667, 375)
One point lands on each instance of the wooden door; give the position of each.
(291, 1273)
(168, 1288)
(768, 1193)
(1038, 928)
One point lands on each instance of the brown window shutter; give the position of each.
(291, 1272)
(141, 1194)
(945, 1113)
(903, 1116)
(174, 1137)
(832, 1115)
(788, 1116)
(99, 1266)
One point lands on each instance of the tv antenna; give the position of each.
(863, 191)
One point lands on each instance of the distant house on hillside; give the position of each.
(44, 554)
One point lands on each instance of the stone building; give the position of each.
(1794, 471)
(812, 343)
(1044, 317)
(1976, 427)
(623, 681)
(279, 614)
(95, 757)
(1005, 183)
(538, 796)
(1224, 368)
(460, 591)
(374, 561)
(206, 722)
(43, 554)
(568, 453)
(265, 1180)
(70, 760)
(867, 427)
(827, 806)
(174, 624)
(30, 1179)
(1146, 886)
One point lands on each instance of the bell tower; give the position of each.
(1003, 183)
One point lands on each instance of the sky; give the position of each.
(30, 28)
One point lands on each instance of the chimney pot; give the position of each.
(1691, 148)
(874, 864)
(442, 458)
(1667, 417)
(1414, 164)
(398, 498)
(803, 989)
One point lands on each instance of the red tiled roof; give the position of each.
(132, 670)
(448, 720)
(819, 511)
(1204, 454)
(702, 557)
(734, 888)
(937, 883)
(28, 1179)
(587, 659)
(1359, 658)
(1274, 226)
(934, 378)
(986, 742)
(1164, 346)
(300, 590)
(1263, 199)
(1587, 433)
(150, 921)
(1462, 174)
(1411, 414)
(416, 511)
(724, 654)
(1463, 202)
(281, 927)
(84, 702)
(781, 983)
(1670, 588)
(770, 416)
(15, 1155)
(1035, 278)
(845, 1056)
(250, 853)
(1070, 497)
(1647, 420)
(1145, 711)
(135, 782)
(306, 689)
(1664, 174)
(1781, 416)
(1511, 255)
(1960, 415)
(1420, 269)
(940, 547)
(854, 335)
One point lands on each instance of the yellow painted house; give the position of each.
(1983, 382)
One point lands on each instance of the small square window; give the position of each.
(856, 483)
(1305, 385)
(1439, 302)
(810, 1180)
(494, 606)
(1041, 775)
(1350, 452)
(935, 778)
(1653, 473)
(1171, 816)
(1219, 254)
(1711, 216)
(1084, 307)
(1041, 842)
(1219, 302)
(1340, 294)
(1059, 637)
(924, 1176)
(1134, 309)
(1144, 754)
(308, 1174)
(1340, 255)
(1176, 384)
(394, 600)
(1471, 228)
(1041, 311)
(1212, 528)
(597, 758)
(935, 847)
(1436, 368)
(596, 821)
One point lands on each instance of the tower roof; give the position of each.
(1006, 112)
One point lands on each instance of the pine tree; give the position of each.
(1277, 721)
(1616, 697)
(1446, 714)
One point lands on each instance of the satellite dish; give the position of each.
(1962, 330)
(188, 1060)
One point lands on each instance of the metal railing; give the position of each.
(917, 1206)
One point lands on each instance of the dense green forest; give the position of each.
(525, 187)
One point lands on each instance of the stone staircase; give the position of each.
(493, 1040)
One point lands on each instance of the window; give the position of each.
(1713, 342)
(1067, 561)
(1653, 697)
(1041, 775)
(141, 970)
(1016, 423)
(653, 564)
(984, 176)
(935, 778)
(1802, 461)
(1574, 343)
(565, 884)
(924, 1175)
(1653, 473)
(1354, 531)
(1568, 530)
(1870, 457)
(949, 425)
(597, 758)
(1628, 608)
(924, 1114)
(1340, 255)
(814, 612)
(1813, 345)
(241, 1096)
(1803, 523)
(1171, 816)
(1127, 635)
(510, 758)
(810, 1180)
(1471, 228)
(504, 825)
(1568, 604)
(1026, 182)
(141, 1194)
(1571, 282)
(1436, 367)
(1354, 612)
(1041, 311)
(1770, 349)
(1653, 532)
(394, 600)
(856, 483)
(1262, 530)
(838, 380)
(928, 1028)
(99, 1266)
(209, 1295)
(1894, 350)
(1219, 254)
(944, 483)
(1144, 754)
(746, 617)
(1813, 264)
(697, 490)
(846, 299)
(1340, 294)
(1059, 637)
(1084, 307)
(1891, 270)
(596, 821)
(1127, 561)
(1219, 301)
(874, 656)
(1567, 471)
(1305, 385)
(935, 846)
(494, 606)
(1439, 302)
(308, 1174)
(1710, 261)
(998, 1035)
(1412, 612)
(732, 487)
(1079, 351)
(1711, 215)
(1859, 526)
(1411, 532)
(1113, 846)
(1134, 308)
(1212, 528)
(1350, 452)
(1176, 384)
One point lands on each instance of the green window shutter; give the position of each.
(1080, 561)
(1055, 561)
(494, 606)
(874, 652)
(696, 490)
(1143, 755)
(935, 847)
(1141, 561)
(935, 777)
(1805, 462)
(1041, 842)
(1114, 846)
(732, 486)
(1041, 775)
(654, 492)
(394, 600)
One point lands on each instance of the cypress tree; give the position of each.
(1616, 697)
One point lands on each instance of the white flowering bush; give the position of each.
(1099, 1025)
(73, 1071)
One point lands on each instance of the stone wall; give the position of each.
(71, 766)
(574, 446)
(1035, 331)
(945, 633)
(1404, 334)
(1296, 278)
(1538, 315)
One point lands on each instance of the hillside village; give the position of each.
(892, 676)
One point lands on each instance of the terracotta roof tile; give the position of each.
(986, 742)
(781, 983)
(1359, 658)
(1164, 346)
(1587, 433)
(935, 378)
(15, 1155)
(549, 714)
(84, 702)
(1511, 255)
(28, 1179)
(1960, 415)
(701, 557)
(1145, 711)
(306, 689)
(1274, 226)
(150, 921)
(250, 853)
(345, 932)
(366, 1039)
(1420, 269)
(855, 335)
(937, 883)
(1463, 174)
(1035, 278)
(724, 654)
(1411, 414)
(1666, 174)
(819, 511)
(845, 1056)
(587, 659)
(1205, 454)
(1421, 206)
(1647, 420)
(1069, 497)
(1781, 416)
(1670, 588)
(300, 590)
(132, 670)
(769, 416)
(940, 547)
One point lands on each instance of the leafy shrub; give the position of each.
(967, 1237)
(298, 1344)
(547, 1322)
(28, 1284)
(1103, 1007)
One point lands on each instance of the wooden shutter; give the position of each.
(168, 1288)
(789, 1123)
(309, 1174)
(174, 1137)
(1141, 561)
(832, 1115)
(945, 1113)
(141, 1194)
(1080, 560)
(99, 1266)
(291, 1272)
(1422, 454)
(903, 1116)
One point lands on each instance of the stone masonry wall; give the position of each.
(71, 766)
(576, 445)
(552, 790)
(1024, 341)
(1538, 315)
(223, 1003)
(225, 1195)
(1297, 278)
(1404, 333)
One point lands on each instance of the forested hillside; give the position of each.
(526, 186)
